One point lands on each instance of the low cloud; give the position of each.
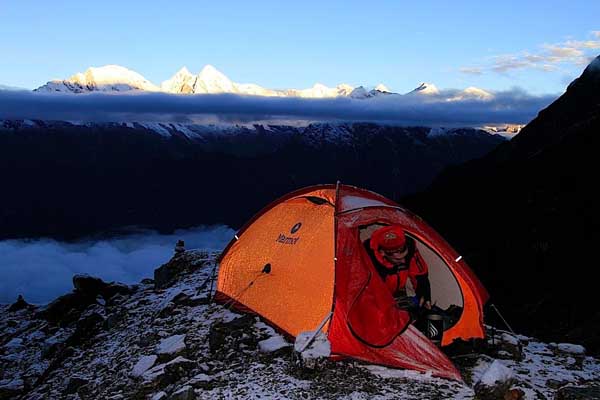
(512, 106)
(548, 58)
(43, 269)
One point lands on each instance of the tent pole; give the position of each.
(316, 332)
(212, 280)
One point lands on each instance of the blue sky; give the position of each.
(537, 45)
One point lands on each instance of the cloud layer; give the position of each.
(43, 269)
(513, 106)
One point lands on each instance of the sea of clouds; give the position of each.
(512, 106)
(42, 269)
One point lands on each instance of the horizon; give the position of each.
(487, 46)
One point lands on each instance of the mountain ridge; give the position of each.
(209, 80)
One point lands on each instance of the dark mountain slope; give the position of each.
(65, 180)
(526, 216)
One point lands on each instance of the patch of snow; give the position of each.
(319, 348)
(272, 344)
(143, 365)
(172, 345)
(156, 127)
(437, 131)
(496, 372)
(387, 373)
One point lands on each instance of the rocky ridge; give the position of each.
(164, 339)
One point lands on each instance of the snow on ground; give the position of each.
(154, 343)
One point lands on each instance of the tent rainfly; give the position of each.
(302, 257)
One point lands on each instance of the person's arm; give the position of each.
(423, 290)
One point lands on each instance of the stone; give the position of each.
(86, 328)
(514, 394)
(185, 393)
(165, 374)
(20, 304)
(578, 393)
(143, 364)
(74, 383)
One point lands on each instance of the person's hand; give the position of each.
(423, 303)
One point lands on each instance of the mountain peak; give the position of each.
(211, 80)
(382, 88)
(426, 88)
(105, 78)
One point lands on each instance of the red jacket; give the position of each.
(395, 277)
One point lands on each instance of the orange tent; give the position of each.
(302, 257)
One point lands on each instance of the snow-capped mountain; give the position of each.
(209, 80)
(181, 82)
(472, 93)
(109, 78)
(426, 89)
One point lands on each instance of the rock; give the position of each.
(185, 393)
(86, 328)
(569, 348)
(65, 309)
(514, 394)
(170, 347)
(88, 284)
(20, 304)
(74, 383)
(92, 286)
(115, 318)
(495, 382)
(230, 334)
(159, 396)
(182, 299)
(555, 383)
(11, 389)
(578, 393)
(166, 274)
(168, 373)
(143, 364)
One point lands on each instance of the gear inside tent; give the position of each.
(302, 257)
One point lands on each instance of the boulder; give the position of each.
(74, 383)
(185, 393)
(94, 287)
(578, 393)
(495, 383)
(20, 304)
(168, 373)
(167, 274)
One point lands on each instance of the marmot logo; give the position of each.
(289, 239)
(296, 228)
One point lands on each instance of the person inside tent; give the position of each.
(397, 260)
